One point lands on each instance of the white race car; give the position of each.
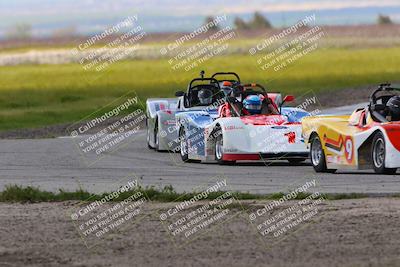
(161, 128)
(232, 134)
(162, 132)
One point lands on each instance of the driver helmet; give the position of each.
(227, 87)
(394, 107)
(252, 104)
(205, 96)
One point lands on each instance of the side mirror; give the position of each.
(179, 93)
(288, 98)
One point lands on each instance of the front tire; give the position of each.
(318, 156)
(184, 150)
(219, 150)
(156, 136)
(148, 136)
(378, 155)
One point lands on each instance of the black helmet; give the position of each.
(394, 107)
(205, 96)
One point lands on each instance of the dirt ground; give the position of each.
(363, 232)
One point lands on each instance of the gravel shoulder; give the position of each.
(361, 232)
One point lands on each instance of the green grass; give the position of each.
(40, 95)
(16, 193)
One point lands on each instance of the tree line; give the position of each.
(258, 21)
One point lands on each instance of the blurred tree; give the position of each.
(19, 31)
(210, 19)
(260, 22)
(240, 24)
(382, 19)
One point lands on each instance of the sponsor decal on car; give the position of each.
(291, 137)
(344, 146)
(233, 127)
(169, 122)
(279, 127)
(333, 145)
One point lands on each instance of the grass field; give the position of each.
(39, 95)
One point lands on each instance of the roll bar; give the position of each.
(226, 73)
(210, 80)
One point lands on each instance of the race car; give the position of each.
(160, 122)
(248, 126)
(162, 131)
(368, 138)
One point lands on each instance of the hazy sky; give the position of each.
(89, 16)
(180, 7)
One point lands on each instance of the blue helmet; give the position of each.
(253, 104)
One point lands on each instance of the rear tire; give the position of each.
(378, 155)
(318, 156)
(219, 150)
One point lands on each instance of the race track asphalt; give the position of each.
(56, 163)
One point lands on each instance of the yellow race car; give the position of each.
(368, 138)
